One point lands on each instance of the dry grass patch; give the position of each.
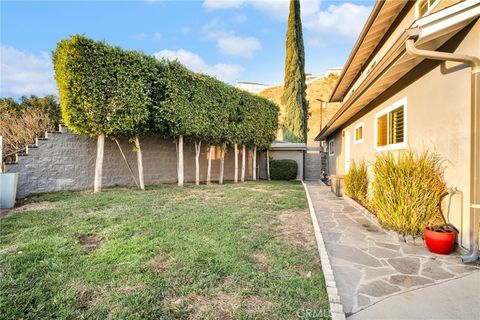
(86, 298)
(131, 289)
(297, 230)
(160, 264)
(254, 304)
(262, 261)
(89, 243)
(36, 206)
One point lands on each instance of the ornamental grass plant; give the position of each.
(407, 190)
(356, 182)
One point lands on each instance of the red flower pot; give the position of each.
(440, 242)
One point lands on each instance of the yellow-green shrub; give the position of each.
(407, 190)
(356, 182)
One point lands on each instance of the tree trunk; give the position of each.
(198, 146)
(180, 161)
(209, 166)
(244, 149)
(235, 177)
(268, 164)
(254, 174)
(140, 163)
(97, 186)
(222, 163)
(126, 162)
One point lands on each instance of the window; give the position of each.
(390, 127)
(331, 147)
(358, 133)
(424, 7)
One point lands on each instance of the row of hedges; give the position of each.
(406, 190)
(109, 92)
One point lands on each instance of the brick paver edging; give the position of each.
(336, 307)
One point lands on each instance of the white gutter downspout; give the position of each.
(474, 63)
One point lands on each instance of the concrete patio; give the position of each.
(374, 268)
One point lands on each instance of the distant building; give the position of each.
(336, 71)
(252, 87)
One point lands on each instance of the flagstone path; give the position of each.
(370, 264)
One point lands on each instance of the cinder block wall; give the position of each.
(66, 161)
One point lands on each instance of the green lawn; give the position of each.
(242, 251)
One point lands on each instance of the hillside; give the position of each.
(319, 89)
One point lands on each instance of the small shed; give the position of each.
(280, 150)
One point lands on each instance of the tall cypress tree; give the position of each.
(294, 97)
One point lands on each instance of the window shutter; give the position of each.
(382, 131)
(396, 126)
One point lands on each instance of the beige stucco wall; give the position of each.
(437, 119)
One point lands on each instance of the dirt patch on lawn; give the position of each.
(272, 192)
(86, 298)
(89, 242)
(221, 305)
(36, 206)
(160, 264)
(262, 261)
(297, 230)
(131, 289)
(254, 304)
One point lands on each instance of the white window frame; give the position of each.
(396, 146)
(355, 141)
(429, 8)
(331, 147)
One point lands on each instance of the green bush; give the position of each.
(407, 190)
(356, 182)
(283, 169)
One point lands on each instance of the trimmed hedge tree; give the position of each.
(104, 91)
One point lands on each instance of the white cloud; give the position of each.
(230, 44)
(336, 23)
(157, 36)
(222, 4)
(223, 71)
(244, 47)
(240, 18)
(185, 29)
(23, 73)
(140, 36)
(345, 20)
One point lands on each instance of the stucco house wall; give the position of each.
(437, 119)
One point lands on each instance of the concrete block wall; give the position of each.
(313, 165)
(66, 161)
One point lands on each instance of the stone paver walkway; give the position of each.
(370, 264)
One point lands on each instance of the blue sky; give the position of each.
(234, 40)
